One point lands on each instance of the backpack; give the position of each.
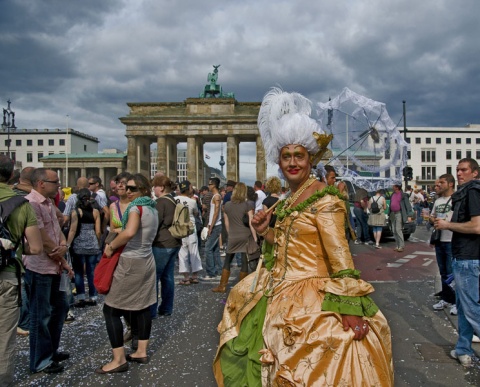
(181, 226)
(374, 207)
(6, 208)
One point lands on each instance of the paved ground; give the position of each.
(183, 345)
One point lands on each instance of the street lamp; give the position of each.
(8, 123)
(66, 156)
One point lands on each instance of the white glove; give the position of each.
(204, 233)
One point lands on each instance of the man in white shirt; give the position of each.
(260, 195)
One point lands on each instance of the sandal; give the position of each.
(184, 282)
(194, 280)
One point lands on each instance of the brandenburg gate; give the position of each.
(213, 117)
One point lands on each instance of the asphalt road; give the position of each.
(183, 345)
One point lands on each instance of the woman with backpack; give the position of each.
(83, 237)
(377, 206)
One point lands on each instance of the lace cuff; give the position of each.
(354, 306)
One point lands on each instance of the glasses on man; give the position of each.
(52, 181)
(132, 188)
(121, 182)
(91, 183)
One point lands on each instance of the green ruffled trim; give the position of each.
(353, 306)
(347, 273)
(328, 190)
(267, 251)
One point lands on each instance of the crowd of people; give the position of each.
(300, 315)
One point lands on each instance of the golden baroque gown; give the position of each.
(288, 331)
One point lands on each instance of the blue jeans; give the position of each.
(362, 224)
(418, 208)
(48, 310)
(213, 261)
(443, 251)
(24, 321)
(90, 261)
(165, 266)
(466, 273)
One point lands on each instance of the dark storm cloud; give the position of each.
(88, 59)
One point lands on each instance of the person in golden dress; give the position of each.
(305, 318)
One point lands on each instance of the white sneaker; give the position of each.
(358, 242)
(453, 310)
(475, 339)
(464, 360)
(440, 305)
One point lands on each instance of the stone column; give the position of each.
(232, 158)
(261, 162)
(83, 172)
(101, 175)
(200, 163)
(172, 158)
(132, 158)
(192, 165)
(162, 154)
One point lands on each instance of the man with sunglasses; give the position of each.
(95, 186)
(48, 304)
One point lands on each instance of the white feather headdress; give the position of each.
(285, 119)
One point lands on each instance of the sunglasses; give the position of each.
(89, 183)
(132, 188)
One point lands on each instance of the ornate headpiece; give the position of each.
(285, 119)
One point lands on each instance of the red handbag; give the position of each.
(103, 273)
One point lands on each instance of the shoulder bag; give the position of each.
(103, 274)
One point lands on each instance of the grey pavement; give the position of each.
(183, 345)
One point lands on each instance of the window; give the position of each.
(13, 156)
(19, 142)
(477, 141)
(468, 140)
(418, 140)
(448, 140)
(449, 170)
(459, 154)
(40, 155)
(85, 148)
(458, 140)
(438, 140)
(429, 173)
(51, 142)
(51, 152)
(408, 140)
(449, 155)
(409, 155)
(62, 142)
(428, 156)
(29, 142)
(6, 143)
(40, 142)
(29, 157)
(387, 172)
(469, 154)
(428, 140)
(478, 154)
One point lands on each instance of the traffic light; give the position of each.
(408, 173)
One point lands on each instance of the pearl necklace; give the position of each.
(293, 198)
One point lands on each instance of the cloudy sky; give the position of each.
(87, 59)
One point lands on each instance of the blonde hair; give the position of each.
(273, 185)
(239, 194)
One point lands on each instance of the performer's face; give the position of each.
(295, 163)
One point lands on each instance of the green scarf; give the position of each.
(141, 201)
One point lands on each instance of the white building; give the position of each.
(437, 150)
(28, 146)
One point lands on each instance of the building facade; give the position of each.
(29, 146)
(437, 150)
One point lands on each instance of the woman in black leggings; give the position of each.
(133, 286)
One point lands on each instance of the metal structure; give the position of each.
(8, 123)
